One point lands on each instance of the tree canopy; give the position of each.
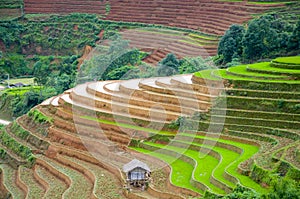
(230, 45)
(265, 37)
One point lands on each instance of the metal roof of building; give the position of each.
(135, 164)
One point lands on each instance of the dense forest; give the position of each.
(263, 38)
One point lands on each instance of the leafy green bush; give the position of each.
(239, 192)
(134, 143)
(297, 107)
(284, 189)
(169, 65)
(176, 123)
(39, 117)
(107, 8)
(230, 45)
(265, 37)
(110, 63)
(2, 154)
(22, 151)
(159, 138)
(22, 104)
(19, 131)
(200, 116)
(260, 175)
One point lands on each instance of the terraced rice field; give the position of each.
(10, 9)
(204, 132)
(212, 17)
(56, 186)
(208, 19)
(97, 7)
(282, 74)
(9, 181)
(208, 166)
(85, 135)
(260, 72)
(171, 41)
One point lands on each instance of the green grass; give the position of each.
(205, 165)
(249, 151)
(201, 42)
(181, 171)
(230, 160)
(16, 147)
(28, 81)
(224, 75)
(39, 117)
(266, 67)
(39, 16)
(229, 163)
(203, 37)
(252, 149)
(206, 74)
(242, 71)
(288, 60)
(256, 72)
(21, 91)
(228, 157)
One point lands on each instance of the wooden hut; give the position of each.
(137, 173)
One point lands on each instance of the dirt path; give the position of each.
(4, 122)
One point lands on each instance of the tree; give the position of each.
(142, 71)
(62, 83)
(294, 40)
(68, 65)
(284, 189)
(230, 45)
(238, 193)
(254, 39)
(40, 72)
(193, 64)
(265, 37)
(169, 65)
(129, 57)
(22, 105)
(119, 73)
(105, 60)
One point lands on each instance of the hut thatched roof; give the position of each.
(135, 164)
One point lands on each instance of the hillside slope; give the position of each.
(212, 17)
(95, 128)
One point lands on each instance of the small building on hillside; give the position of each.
(137, 173)
(17, 85)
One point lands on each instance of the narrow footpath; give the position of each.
(4, 122)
